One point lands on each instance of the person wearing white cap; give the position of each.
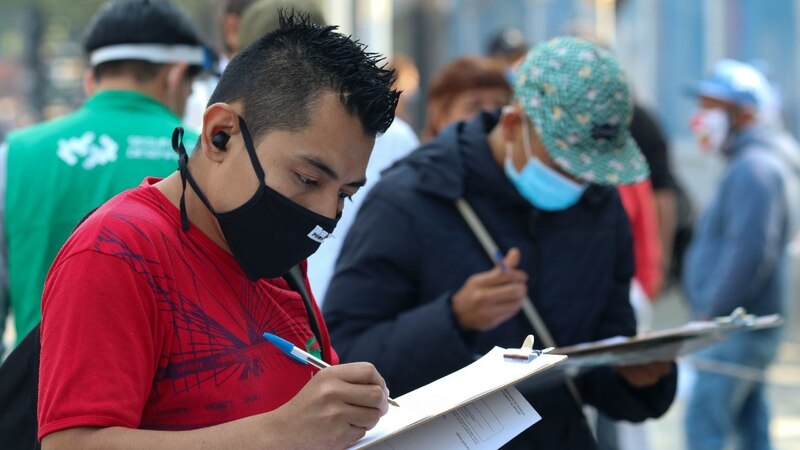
(143, 56)
(738, 257)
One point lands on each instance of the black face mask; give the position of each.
(269, 233)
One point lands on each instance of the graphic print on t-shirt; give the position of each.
(214, 358)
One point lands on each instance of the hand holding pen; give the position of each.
(489, 298)
(303, 357)
(336, 407)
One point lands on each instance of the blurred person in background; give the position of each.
(639, 202)
(144, 55)
(262, 17)
(408, 84)
(229, 24)
(667, 193)
(413, 287)
(738, 257)
(242, 23)
(463, 88)
(508, 47)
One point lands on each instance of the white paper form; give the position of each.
(489, 374)
(484, 424)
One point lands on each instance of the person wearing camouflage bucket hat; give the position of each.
(580, 105)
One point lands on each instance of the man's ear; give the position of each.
(742, 116)
(172, 79)
(176, 74)
(89, 82)
(511, 122)
(218, 118)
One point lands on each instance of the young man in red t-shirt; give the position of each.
(153, 311)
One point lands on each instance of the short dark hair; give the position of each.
(280, 76)
(137, 22)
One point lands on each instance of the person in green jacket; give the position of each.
(143, 57)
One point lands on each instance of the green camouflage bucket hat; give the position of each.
(580, 103)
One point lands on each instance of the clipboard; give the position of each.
(491, 375)
(664, 345)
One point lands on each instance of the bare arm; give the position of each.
(247, 433)
(333, 410)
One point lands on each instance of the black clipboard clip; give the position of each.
(526, 353)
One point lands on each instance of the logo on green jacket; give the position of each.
(89, 150)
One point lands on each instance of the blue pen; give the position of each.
(300, 356)
(500, 260)
(295, 353)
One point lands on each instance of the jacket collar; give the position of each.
(459, 162)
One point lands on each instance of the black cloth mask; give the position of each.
(269, 233)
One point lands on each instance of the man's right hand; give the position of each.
(335, 408)
(490, 298)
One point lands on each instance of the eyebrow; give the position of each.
(317, 162)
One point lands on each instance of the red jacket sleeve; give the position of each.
(639, 202)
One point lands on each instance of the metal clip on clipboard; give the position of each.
(738, 317)
(526, 353)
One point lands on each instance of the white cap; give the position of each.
(154, 53)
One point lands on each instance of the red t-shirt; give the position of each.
(147, 326)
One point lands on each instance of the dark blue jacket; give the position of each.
(409, 250)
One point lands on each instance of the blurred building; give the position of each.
(664, 44)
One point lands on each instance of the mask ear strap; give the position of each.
(183, 168)
(251, 151)
(183, 158)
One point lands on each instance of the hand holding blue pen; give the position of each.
(301, 356)
(500, 260)
(489, 298)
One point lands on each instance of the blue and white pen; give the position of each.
(500, 260)
(300, 356)
(294, 352)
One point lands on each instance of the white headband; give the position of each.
(154, 53)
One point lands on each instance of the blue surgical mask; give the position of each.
(541, 185)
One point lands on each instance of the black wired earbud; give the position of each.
(220, 139)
